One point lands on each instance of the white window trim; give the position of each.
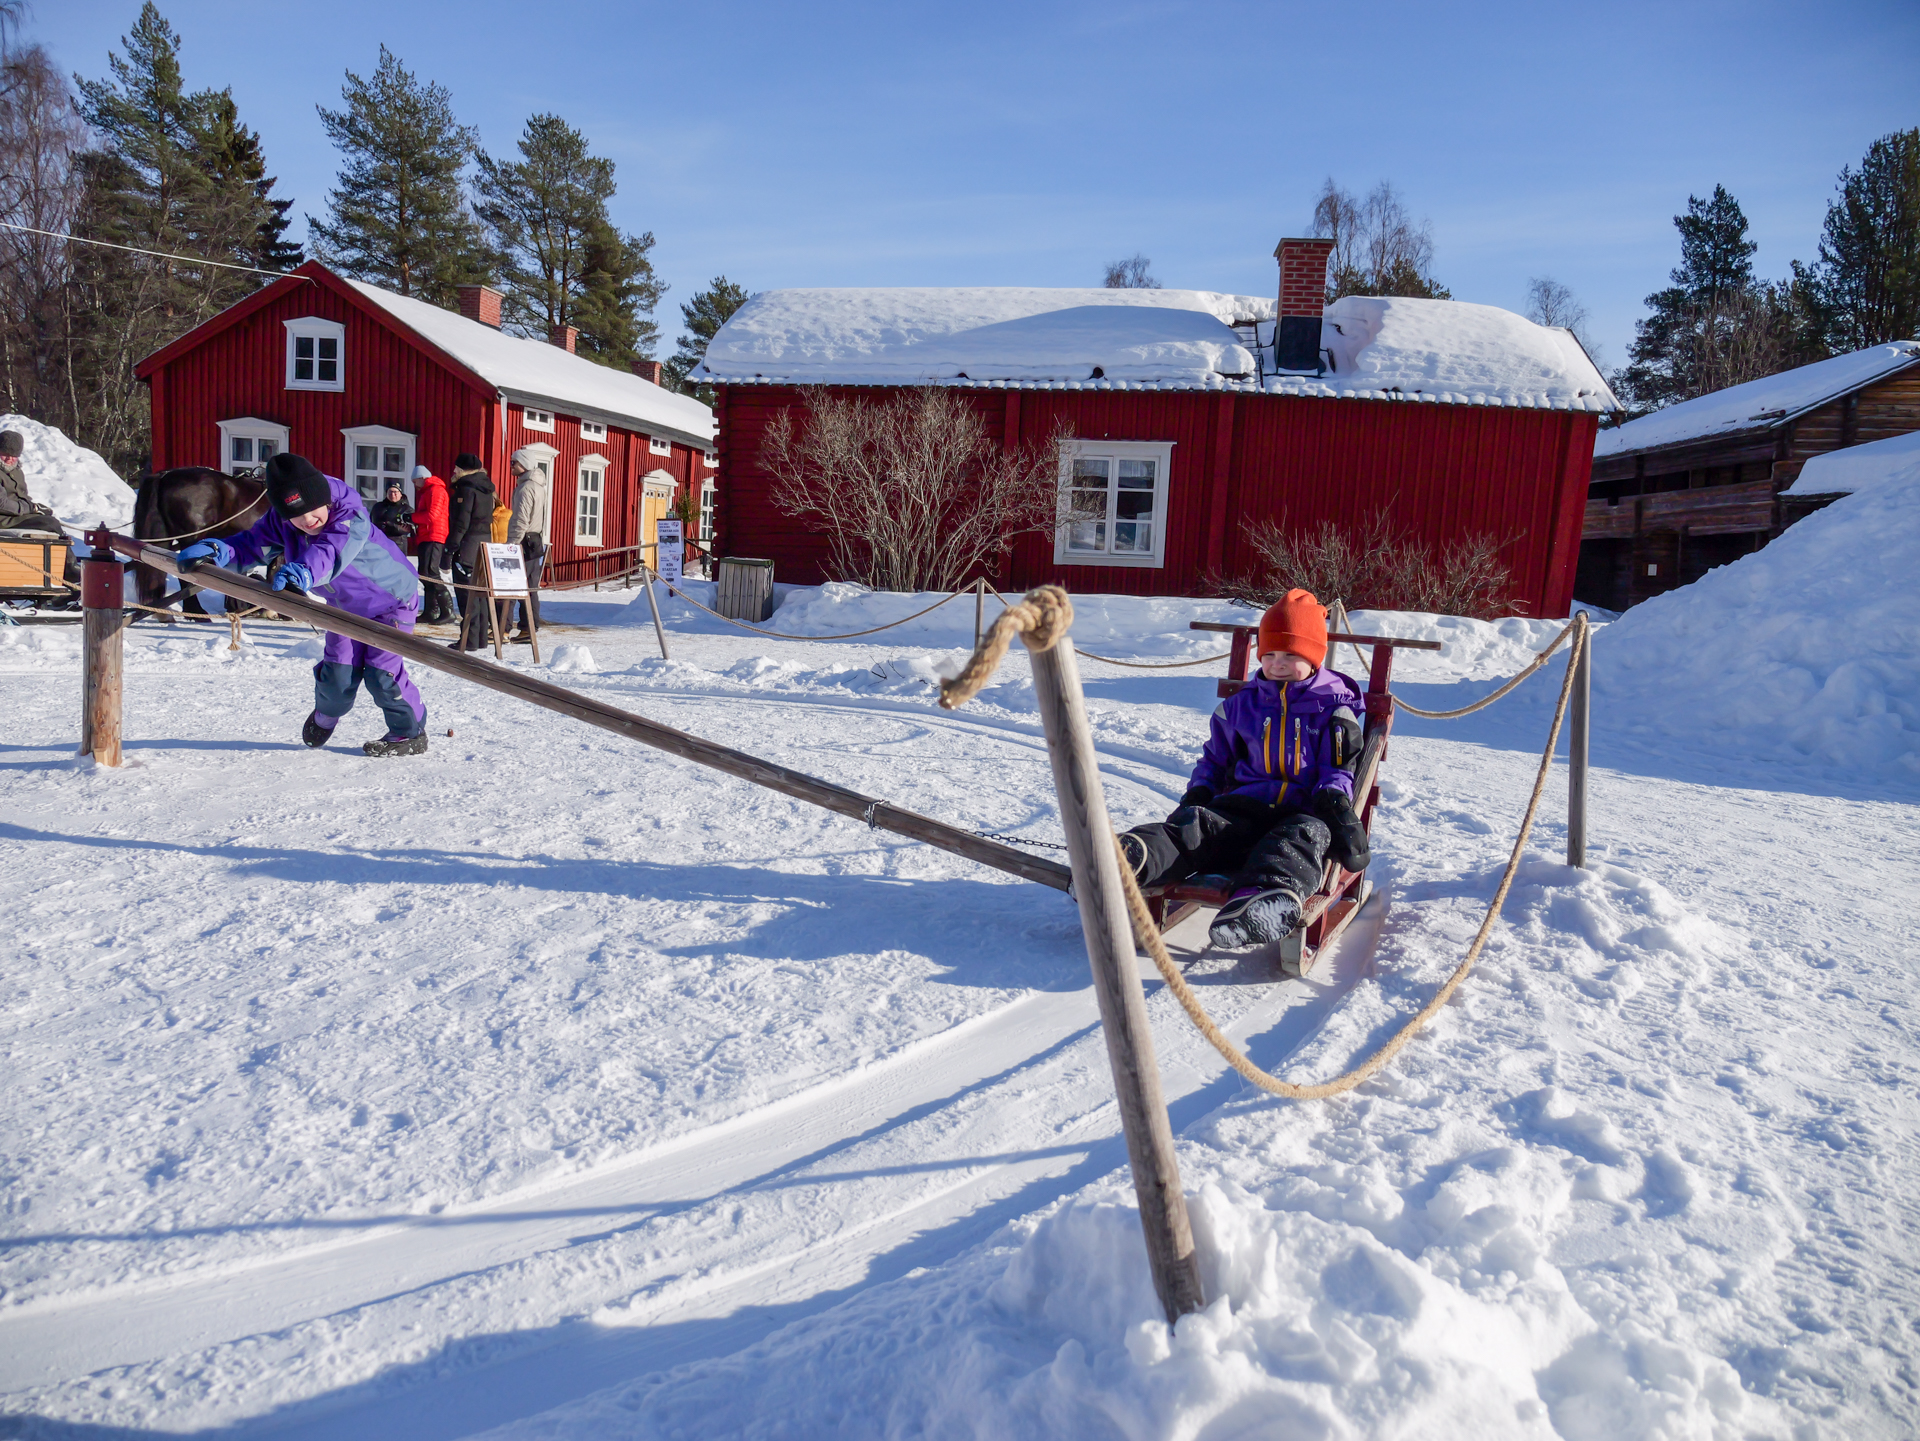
(317, 328)
(246, 427)
(543, 455)
(710, 460)
(709, 497)
(382, 436)
(544, 424)
(657, 446)
(599, 464)
(1155, 450)
(593, 430)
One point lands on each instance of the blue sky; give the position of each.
(1029, 143)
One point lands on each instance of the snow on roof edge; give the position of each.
(526, 370)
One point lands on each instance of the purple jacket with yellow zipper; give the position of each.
(1281, 743)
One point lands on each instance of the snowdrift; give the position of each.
(81, 487)
(1805, 652)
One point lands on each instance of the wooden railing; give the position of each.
(1709, 510)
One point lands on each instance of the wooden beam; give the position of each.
(1332, 636)
(879, 814)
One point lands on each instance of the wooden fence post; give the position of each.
(1116, 981)
(1579, 711)
(659, 630)
(104, 621)
(979, 607)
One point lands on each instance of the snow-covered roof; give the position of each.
(1758, 404)
(530, 371)
(1860, 467)
(1388, 349)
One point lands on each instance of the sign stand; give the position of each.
(504, 575)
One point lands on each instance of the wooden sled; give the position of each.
(1342, 893)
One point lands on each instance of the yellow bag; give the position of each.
(502, 518)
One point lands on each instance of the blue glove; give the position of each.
(293, 574)
(217, 551)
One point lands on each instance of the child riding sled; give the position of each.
(318, 537)
(1272, 797)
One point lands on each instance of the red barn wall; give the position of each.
(1441, 472)
(241, 371)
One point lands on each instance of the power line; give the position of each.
(157, 254)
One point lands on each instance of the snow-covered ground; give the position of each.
(550, 1087)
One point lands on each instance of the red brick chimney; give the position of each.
(481, 303)
(649, 370)
(564, 336)
(1303, 296)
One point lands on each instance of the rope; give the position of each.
(850, 635)
(156, 254)
(1152, 665)
(1538, 661)
(1148, 935)
(1042, 620)
(1129, 664)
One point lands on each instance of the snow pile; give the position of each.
(81, 487)
(573, 659)
(1807, 650)
(906, 335)
(1758, 404)
(1457, 1252)
(1452, 350)
(1859, 466)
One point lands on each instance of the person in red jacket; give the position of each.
(430, 542)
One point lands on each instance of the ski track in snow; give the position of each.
(411, 1099)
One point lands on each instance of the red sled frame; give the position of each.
(1342, 893)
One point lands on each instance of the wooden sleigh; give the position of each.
(1342, 893)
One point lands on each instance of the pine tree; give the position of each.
(233, 157)
(1714, 326)
(398, 216)
(703, 316)
(1868, 275)
(563, 261)
(175, 176)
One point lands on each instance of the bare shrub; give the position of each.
(1374, 567)
(911, 494)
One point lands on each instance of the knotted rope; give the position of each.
(1147, 934)
(1539, 660)
(1042, 620)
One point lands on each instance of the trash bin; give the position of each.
(744, 588)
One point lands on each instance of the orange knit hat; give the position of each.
(1298, 623)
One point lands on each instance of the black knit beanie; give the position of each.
(11, 442)
(466, 460)
(295, 485)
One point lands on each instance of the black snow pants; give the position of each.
(1248, 841)
(476, 610)
(431, 555)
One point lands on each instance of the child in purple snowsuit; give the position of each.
(1272, 796)
(318, 537)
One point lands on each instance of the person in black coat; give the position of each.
(394, 515)
(469, 526)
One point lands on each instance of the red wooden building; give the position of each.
(1194, 412)
(366, 384)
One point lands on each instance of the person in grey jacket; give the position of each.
(532, 505)
(18, 509)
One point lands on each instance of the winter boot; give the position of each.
(315, 734)
(397, 746)
(1135, 850)
(1253, 917)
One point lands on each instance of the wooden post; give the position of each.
(103, 596)
(1116, 981)
(659, 630)
(485, 576)
(979, 606)
(1338, 623)
(1579, 711)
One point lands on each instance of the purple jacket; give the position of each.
(1281, 743)
(354, 565)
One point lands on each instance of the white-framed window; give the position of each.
(247, 444)
(316, 354)
(710, 460)
(1113, 503)
(589, 500)
(592, 430)
(541, 420)
(659, 446)
(706, 511)
(376, 457)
